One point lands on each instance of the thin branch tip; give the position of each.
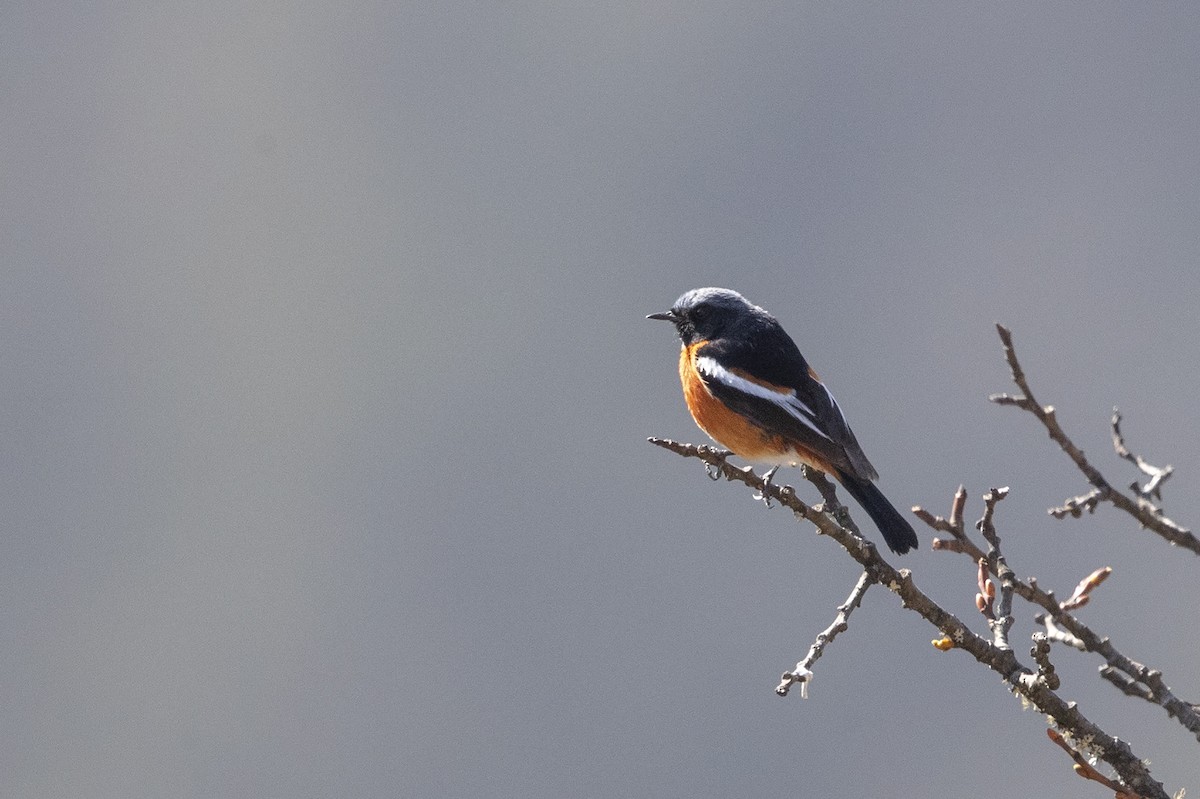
(1139, 504)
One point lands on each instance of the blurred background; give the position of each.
(327, 384)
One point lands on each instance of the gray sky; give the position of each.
(327, 386)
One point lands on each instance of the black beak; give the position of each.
(665, 316)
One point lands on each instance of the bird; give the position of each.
(749, 389)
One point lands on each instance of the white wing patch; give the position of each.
(788, 401)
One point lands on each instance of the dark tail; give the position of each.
(897, 532)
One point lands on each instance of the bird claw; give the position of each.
(765, 495)
(713, 470)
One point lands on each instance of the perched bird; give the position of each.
(749, 388)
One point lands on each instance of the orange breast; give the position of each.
(729, 428)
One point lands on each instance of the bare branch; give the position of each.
(1023, 681)
(953, 525)
(803, 672)
(1157, 475)
(1140, 508)
(1063, 627)
(1002, 621)
(986, 524)
(1057, 634)
(1126, 684)
(1075, 506)
(829, 500)
(1141, 690)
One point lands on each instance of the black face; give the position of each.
(705, 314)
(700, 322)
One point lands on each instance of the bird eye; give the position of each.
(700, 313)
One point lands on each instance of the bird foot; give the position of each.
(765, 494)
(713, 470)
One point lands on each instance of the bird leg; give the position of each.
(713, 470)
(765, 495)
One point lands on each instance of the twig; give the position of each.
(1157, 475)
(1057, 634)
(1063, 627)
(1075, 506)
(1141, 509)
(803, 672)
(953, 525)
(1086, 770)
(1126, 684)
(1001, 621)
